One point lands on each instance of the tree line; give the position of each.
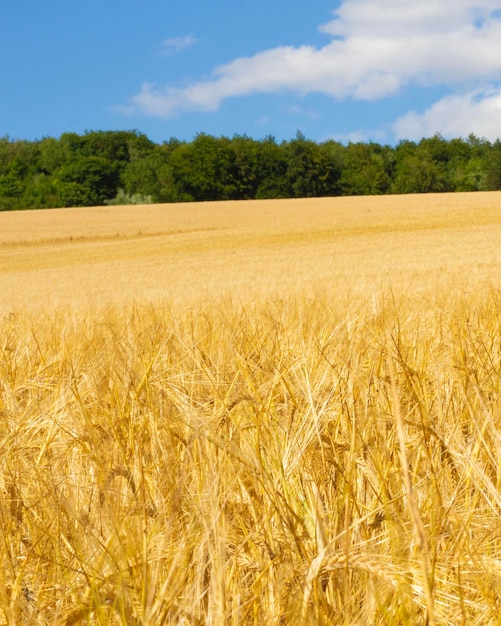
(126, 167)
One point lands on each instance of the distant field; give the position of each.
(187, 252)
(261, 413)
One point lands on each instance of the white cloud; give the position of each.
(388, 18)
(477, 112)
(296, 110)
(177, 44)
(377, 48)
(263, 120)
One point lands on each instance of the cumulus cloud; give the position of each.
(457, 115)
(405, 17)
(376, 48)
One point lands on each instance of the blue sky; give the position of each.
(379, 70)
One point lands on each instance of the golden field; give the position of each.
(276, 412)
(185, 253)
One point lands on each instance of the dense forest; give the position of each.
(125, 167)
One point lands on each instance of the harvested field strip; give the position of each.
(190, 251)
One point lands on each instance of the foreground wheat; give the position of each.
(241, 464)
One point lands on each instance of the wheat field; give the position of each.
(277, 412)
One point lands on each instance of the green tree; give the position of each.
(247, 168)
(72, 144)
(87, 181)
(468, 163)
(20, 164)
(113, 166)
(419, 174)
(53, 155)
(423, 167)
(311, 171)
(272, 170)
(204, 169)
(152, 176)
(7, 151)
(120, 147)
(366, 169)
(41, 193)
(493, 167)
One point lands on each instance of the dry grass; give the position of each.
(323, 447)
